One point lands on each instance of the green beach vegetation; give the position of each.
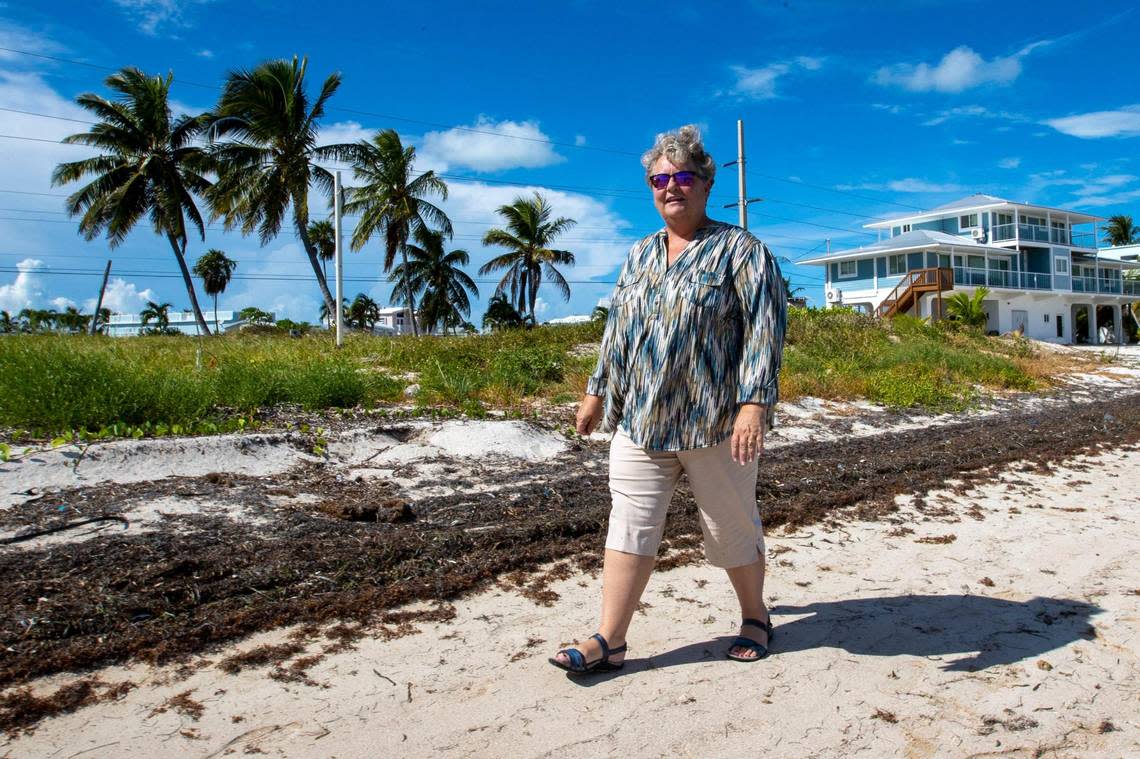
(56, 384)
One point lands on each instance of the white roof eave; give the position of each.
(944, 213)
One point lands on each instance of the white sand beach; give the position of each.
(998, 621)
(1016, 638)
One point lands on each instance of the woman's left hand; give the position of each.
(748, 433)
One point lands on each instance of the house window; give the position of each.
(944, 260)
(1034, 220)
(976, 262)
(896, 264)
(1046, 318)
(1004, 218)
(967, 221)
(906, 227)
(848, 269)
(1061, 266)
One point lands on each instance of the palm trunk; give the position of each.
(533, 287)
(180, 254)
(217, 327)
(300, 218)
(408, 291)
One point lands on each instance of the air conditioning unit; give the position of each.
(978, 234)
(834, 295)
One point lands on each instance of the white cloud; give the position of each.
(150, 15)
(1107, 190)
(541, 307)
(1009, 163)
(488, 145)
(26, 291)
(62, 304)
(903, 185)
(207, 54)
(760, 83)
(580, 140)
(1124, 122)
(921, 185)
(17, 38)
(122, 297)
(959, 70)
(1119, 198)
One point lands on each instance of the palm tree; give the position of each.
(967, 309)
(364, 312)
(159, 313)
(38, 319)
(8, 325)
(150, 166)
(268, 153)
(528, 235)
(323, 235)
(71, 320)
(599, 314)
(501, 314)
(391, 202)
(435, 273)
(327, 315)
(1121, 231)
(215, 269)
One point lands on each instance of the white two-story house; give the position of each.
(1043, 277)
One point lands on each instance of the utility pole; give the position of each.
(743, 199)
(338, 211)
(93, 326)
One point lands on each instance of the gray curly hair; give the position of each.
(681, 146)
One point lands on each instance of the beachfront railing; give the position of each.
(1084, 284)
(1039, 233)
(1109, 285)
(1003, 232)
(1012, 280)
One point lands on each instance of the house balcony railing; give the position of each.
(1038, 233)
(1106, 285)
(1131, 286)
(1010, 280)
(1084, 284)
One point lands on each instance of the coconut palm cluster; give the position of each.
(255, 162)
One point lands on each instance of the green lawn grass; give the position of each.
(53, 384)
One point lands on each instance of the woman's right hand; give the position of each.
(589, 414)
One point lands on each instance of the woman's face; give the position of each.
(680, 206)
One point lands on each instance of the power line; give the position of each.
(473, 130)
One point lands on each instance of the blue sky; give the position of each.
(852, 113)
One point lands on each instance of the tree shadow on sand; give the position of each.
(985, 632)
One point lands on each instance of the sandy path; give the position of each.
(885, 646)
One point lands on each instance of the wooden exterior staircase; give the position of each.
(916, 282)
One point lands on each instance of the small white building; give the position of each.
(394, 320)
(1043, 276)
(129, 325)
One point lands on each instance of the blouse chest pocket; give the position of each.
(626, 290)
(704, 289)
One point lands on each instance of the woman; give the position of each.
(687, 380)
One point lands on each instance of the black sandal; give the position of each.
(578, 664)
(741, 642)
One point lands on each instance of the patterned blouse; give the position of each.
(686, 344)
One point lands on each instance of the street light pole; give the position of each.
(339, 264)
(743, 200)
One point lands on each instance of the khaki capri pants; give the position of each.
(642, 484)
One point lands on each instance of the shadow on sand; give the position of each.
(973, 632)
